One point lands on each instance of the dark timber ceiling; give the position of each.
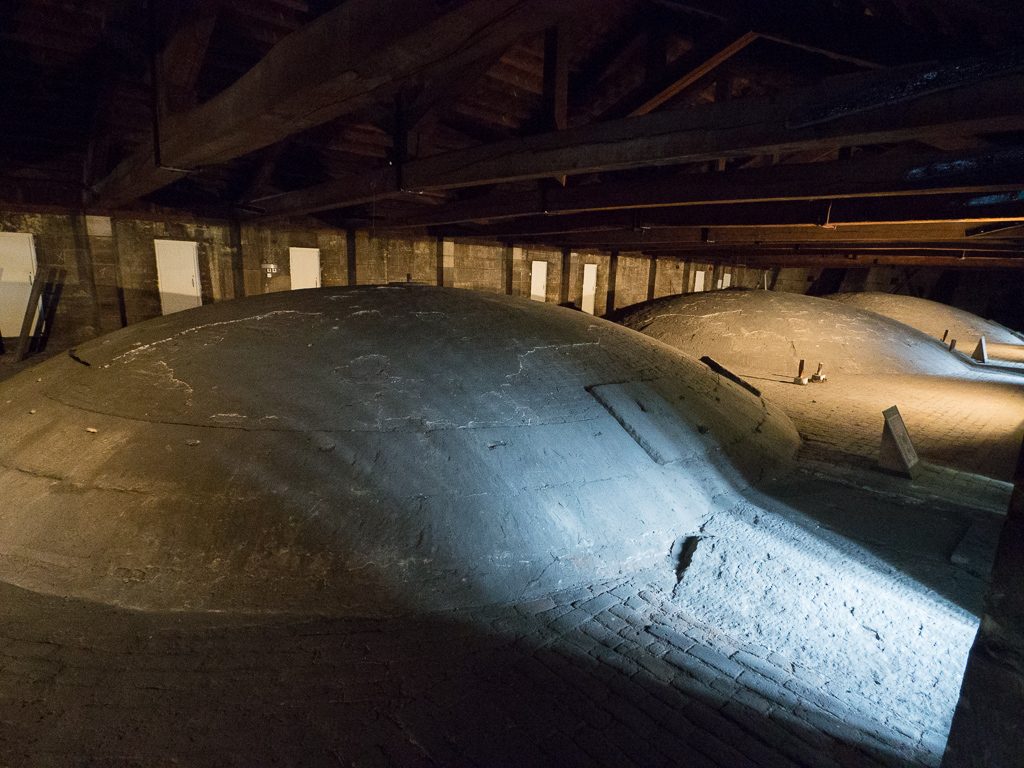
(782, 133)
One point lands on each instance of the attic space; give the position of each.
(512, 383)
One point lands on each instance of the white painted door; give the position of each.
(177, 274)
(304, 267)
(589, 287)
(18, 268)
(698, 281)
(539, 281)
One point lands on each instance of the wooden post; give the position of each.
(652, 277)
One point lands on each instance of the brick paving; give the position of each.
(973, 424)
(610, 674)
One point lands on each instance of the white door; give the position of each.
(698, 281)
(539, 281)
(304, 267)
(589, 287)
(177, 274)
(17, 271)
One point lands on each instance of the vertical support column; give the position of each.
(439, 255)
(557, 47)
(350, 255)
(988, 726)
(237, 260)
(563, 287)
(557, 52)
(652, 277)
(716, 277)
(613, 273)
(510, 254)
(86, 274)
(723, 92)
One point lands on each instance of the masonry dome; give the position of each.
(931, 317)
(766, 332)
(358, 451)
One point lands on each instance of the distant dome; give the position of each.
(358, 451)
(769, 332)
(931, 317)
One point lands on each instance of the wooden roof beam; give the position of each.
(873, 108)
(967, 209)
(744, 257)
(895, 174)
(182, 58)
(343, 61)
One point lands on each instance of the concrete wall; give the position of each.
(112, 277)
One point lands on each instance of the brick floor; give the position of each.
(974, 424)
(123, 688)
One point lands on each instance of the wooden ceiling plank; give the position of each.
(343, 61)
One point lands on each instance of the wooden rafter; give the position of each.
(695, 65)
(342, 62)
(183, 56)
(739, 128)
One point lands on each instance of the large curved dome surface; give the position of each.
(931, 317)
(769, 333)
(358, 451)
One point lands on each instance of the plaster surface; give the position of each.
(360, 451)
(932, 317)
(769, 333)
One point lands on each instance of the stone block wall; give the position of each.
(112, 276)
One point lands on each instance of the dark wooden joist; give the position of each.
(966, 209)
(940, 235)
(894, 174)
(823, 258)
(739, 128)
(344, 61)
(182, 58)
(558, 43)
